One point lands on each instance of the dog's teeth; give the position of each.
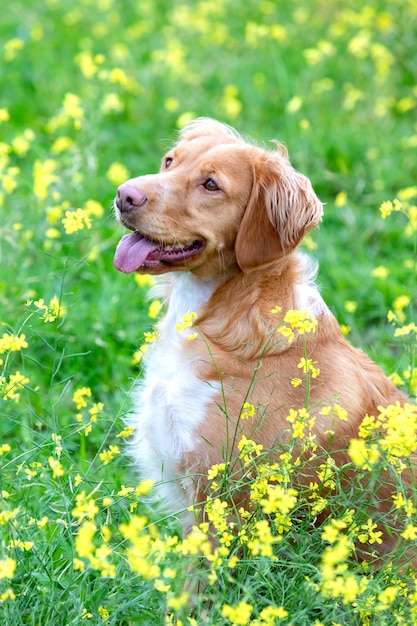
(180, 246)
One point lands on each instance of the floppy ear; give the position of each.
(281, 210)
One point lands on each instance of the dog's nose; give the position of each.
(129, 198)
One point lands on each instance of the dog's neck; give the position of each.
(188, 294)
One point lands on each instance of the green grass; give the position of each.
(336, 83)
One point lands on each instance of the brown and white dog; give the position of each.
(223, 219)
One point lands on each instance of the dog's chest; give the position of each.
(171, 400)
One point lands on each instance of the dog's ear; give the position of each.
(282, 208)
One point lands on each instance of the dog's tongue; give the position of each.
(132, 252)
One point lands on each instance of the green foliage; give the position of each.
(90, 94)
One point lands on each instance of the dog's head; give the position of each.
(218, 204)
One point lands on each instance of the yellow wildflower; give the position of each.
(43, 177)
(248, 448)
(188, 320)
(12, 342)
(79, 396)
(5, 447)
(248, 410)
(108, 455)
(7, 568)
(154, 309)
(410, 532)
(362, 455)
(126, 432)
(309, 366)
(117, 173)
(238, 615)
(10, 389)
(85, 507)
(56, 467)
(76, 220)
(380, 272)
(104, 613)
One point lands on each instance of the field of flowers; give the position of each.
(90, 94)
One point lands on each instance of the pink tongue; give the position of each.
(132, 252)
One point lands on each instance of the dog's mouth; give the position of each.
(136, 252)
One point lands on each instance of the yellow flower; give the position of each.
(145, 280)
(73, 109)
(126, 432)
(5, 447)
(12, 342)
(108, 455)
(302, 321)
(178, 602)
(262, 540)
(84, 545)
(410, 532)
(118, 76)
(387, 597)
(51, 311)
(137, 356)
(362, 455)
(294, 105)
(4, 115)
(6, 516)
(400, 425)
(248, 410)
(93, 208)
(56, 467)
(104, 613)
(112, 103)
(43, 177)
(350, 306)
(7, 595)
(144, 487)
(370, 534)
(278, 500)
(85, 507)
(196, 542)
(61, 144)
(188, 320)
(11, 47)
(125, 491)
(10, 389)
(309, 366)
(79, 396)
(171, 105)
(150, 337)
(154, 309)
(75, 220)
(386, 209)
(380, 272)
(269, 614)
(248, 447)
(230, 103)
(117, 173)
(7, 568)
(185, 118)
(238, 615)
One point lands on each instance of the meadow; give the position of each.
(92, 93)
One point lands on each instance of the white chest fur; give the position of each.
(171, 401)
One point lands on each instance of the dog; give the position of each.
(222, 221)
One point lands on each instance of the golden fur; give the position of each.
(246, 227)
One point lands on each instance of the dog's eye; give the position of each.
(210, 185)
(167, 162)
